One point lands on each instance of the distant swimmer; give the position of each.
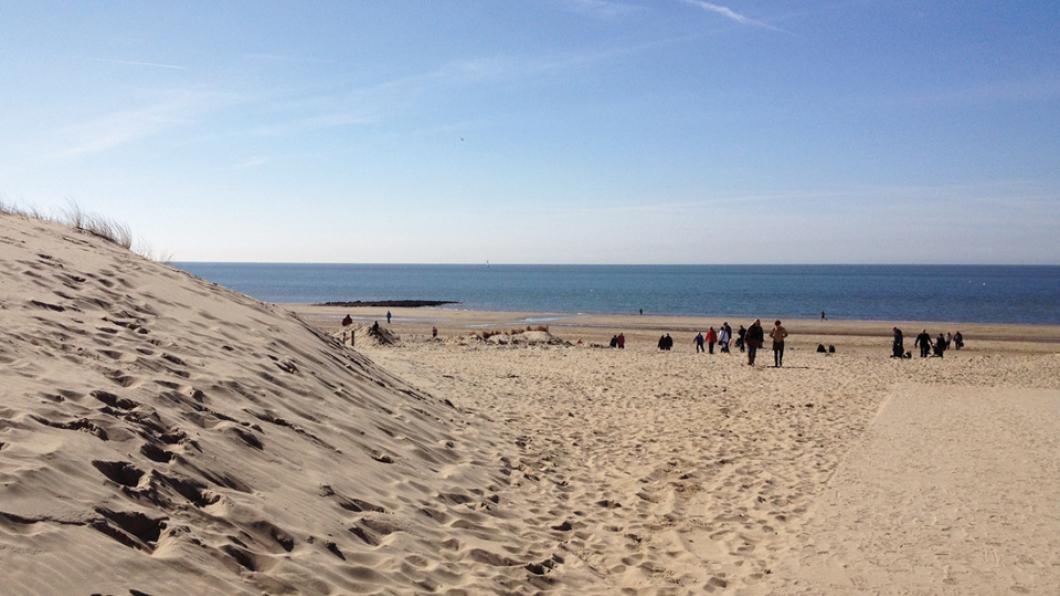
(642, 312)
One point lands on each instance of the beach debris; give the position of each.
(530, 336)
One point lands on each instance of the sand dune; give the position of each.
(164, 435)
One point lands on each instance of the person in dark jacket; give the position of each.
(662, 342)
(699, 342)
(898, 345)
(958, 341)
(754, 340)
(923, 341)
(741, 335)
(940, 345)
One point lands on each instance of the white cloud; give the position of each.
(140, 63)
(253, 162)
(731, 14)
(127, 126)
(602, 8)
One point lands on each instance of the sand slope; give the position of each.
(161, 434)
(953, 491)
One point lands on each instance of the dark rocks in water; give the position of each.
(389, 303)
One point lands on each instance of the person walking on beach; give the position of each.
(699, 342)
(741, 335)
(666, 342)
(621, 341)
(754, 340)
(823, 317)
(434, 331)
(923, 341)
(778, 334)
(723, 338)
(712, 338)
(958, 340)
(388, 317)
(614, 342)
(898, 346)
(940, 345)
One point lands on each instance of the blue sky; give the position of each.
(555, 131)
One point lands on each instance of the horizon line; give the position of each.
(506, 264)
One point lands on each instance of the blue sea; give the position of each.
(997, 294)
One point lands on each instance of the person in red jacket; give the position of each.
(712, 338)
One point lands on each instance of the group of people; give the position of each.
(666, 342)
(927, 347)
(618, 341)
(721, 337)
(748, 340)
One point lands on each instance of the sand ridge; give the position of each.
(162, 434)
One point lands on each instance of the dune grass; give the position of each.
(101, 227)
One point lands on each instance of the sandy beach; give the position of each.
(844, 473)
(160, 434)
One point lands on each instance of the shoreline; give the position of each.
(422, 319)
